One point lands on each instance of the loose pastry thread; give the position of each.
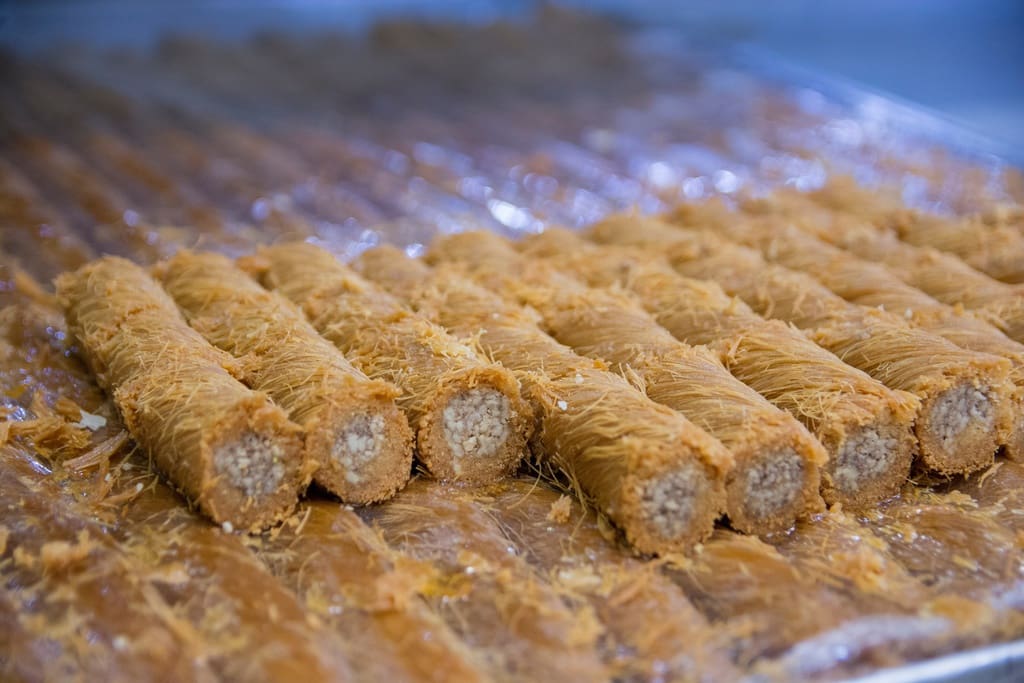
(866, 427)
(225, 447)
(354, 432)
(776, 476)
(470, 421)
(651, 471)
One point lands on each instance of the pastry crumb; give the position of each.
(90, 421)
(60, 554)
(561, 510)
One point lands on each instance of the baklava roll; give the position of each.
(866, 427)
(228, 449)
(471, 423)
(627, 594)
(56, 562)
(943, 276)
(370, 596)
(649, 469)
(994, 249)
(521, 625)
(775, 478)
(997, 251)
(354, 432)
(870, 284)
(962, 392)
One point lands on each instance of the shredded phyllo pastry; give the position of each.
(302, 379)
(471, 423)
(227, 448)
(354, 433)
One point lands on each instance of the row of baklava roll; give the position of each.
(241, 402)
(752, 428)
(208, 168)
(869, 418)
(941, 386)
(518, 586)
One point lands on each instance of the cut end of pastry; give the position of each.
(358, 444)
(863, 458)
(476, 435)
(770, 492)
(869, 464)
(476, 424)
(253, 464)
(675, 507)
(257, 468)
(367, 456)
(957, 429)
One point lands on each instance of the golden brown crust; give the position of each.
(524, 627)
(179, 400)
(354, 433)
(433, 369)
(649, 469)
(775, 478)
(866, 427)
(962, 392)
(874, 285)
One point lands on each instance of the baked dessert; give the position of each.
(470, 421)
(354, 433)
(227, 448)
(617, 395)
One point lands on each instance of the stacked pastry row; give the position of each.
(233, 144)
(509, 582)
(795, 379)
(241, 402)
(833, 396)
